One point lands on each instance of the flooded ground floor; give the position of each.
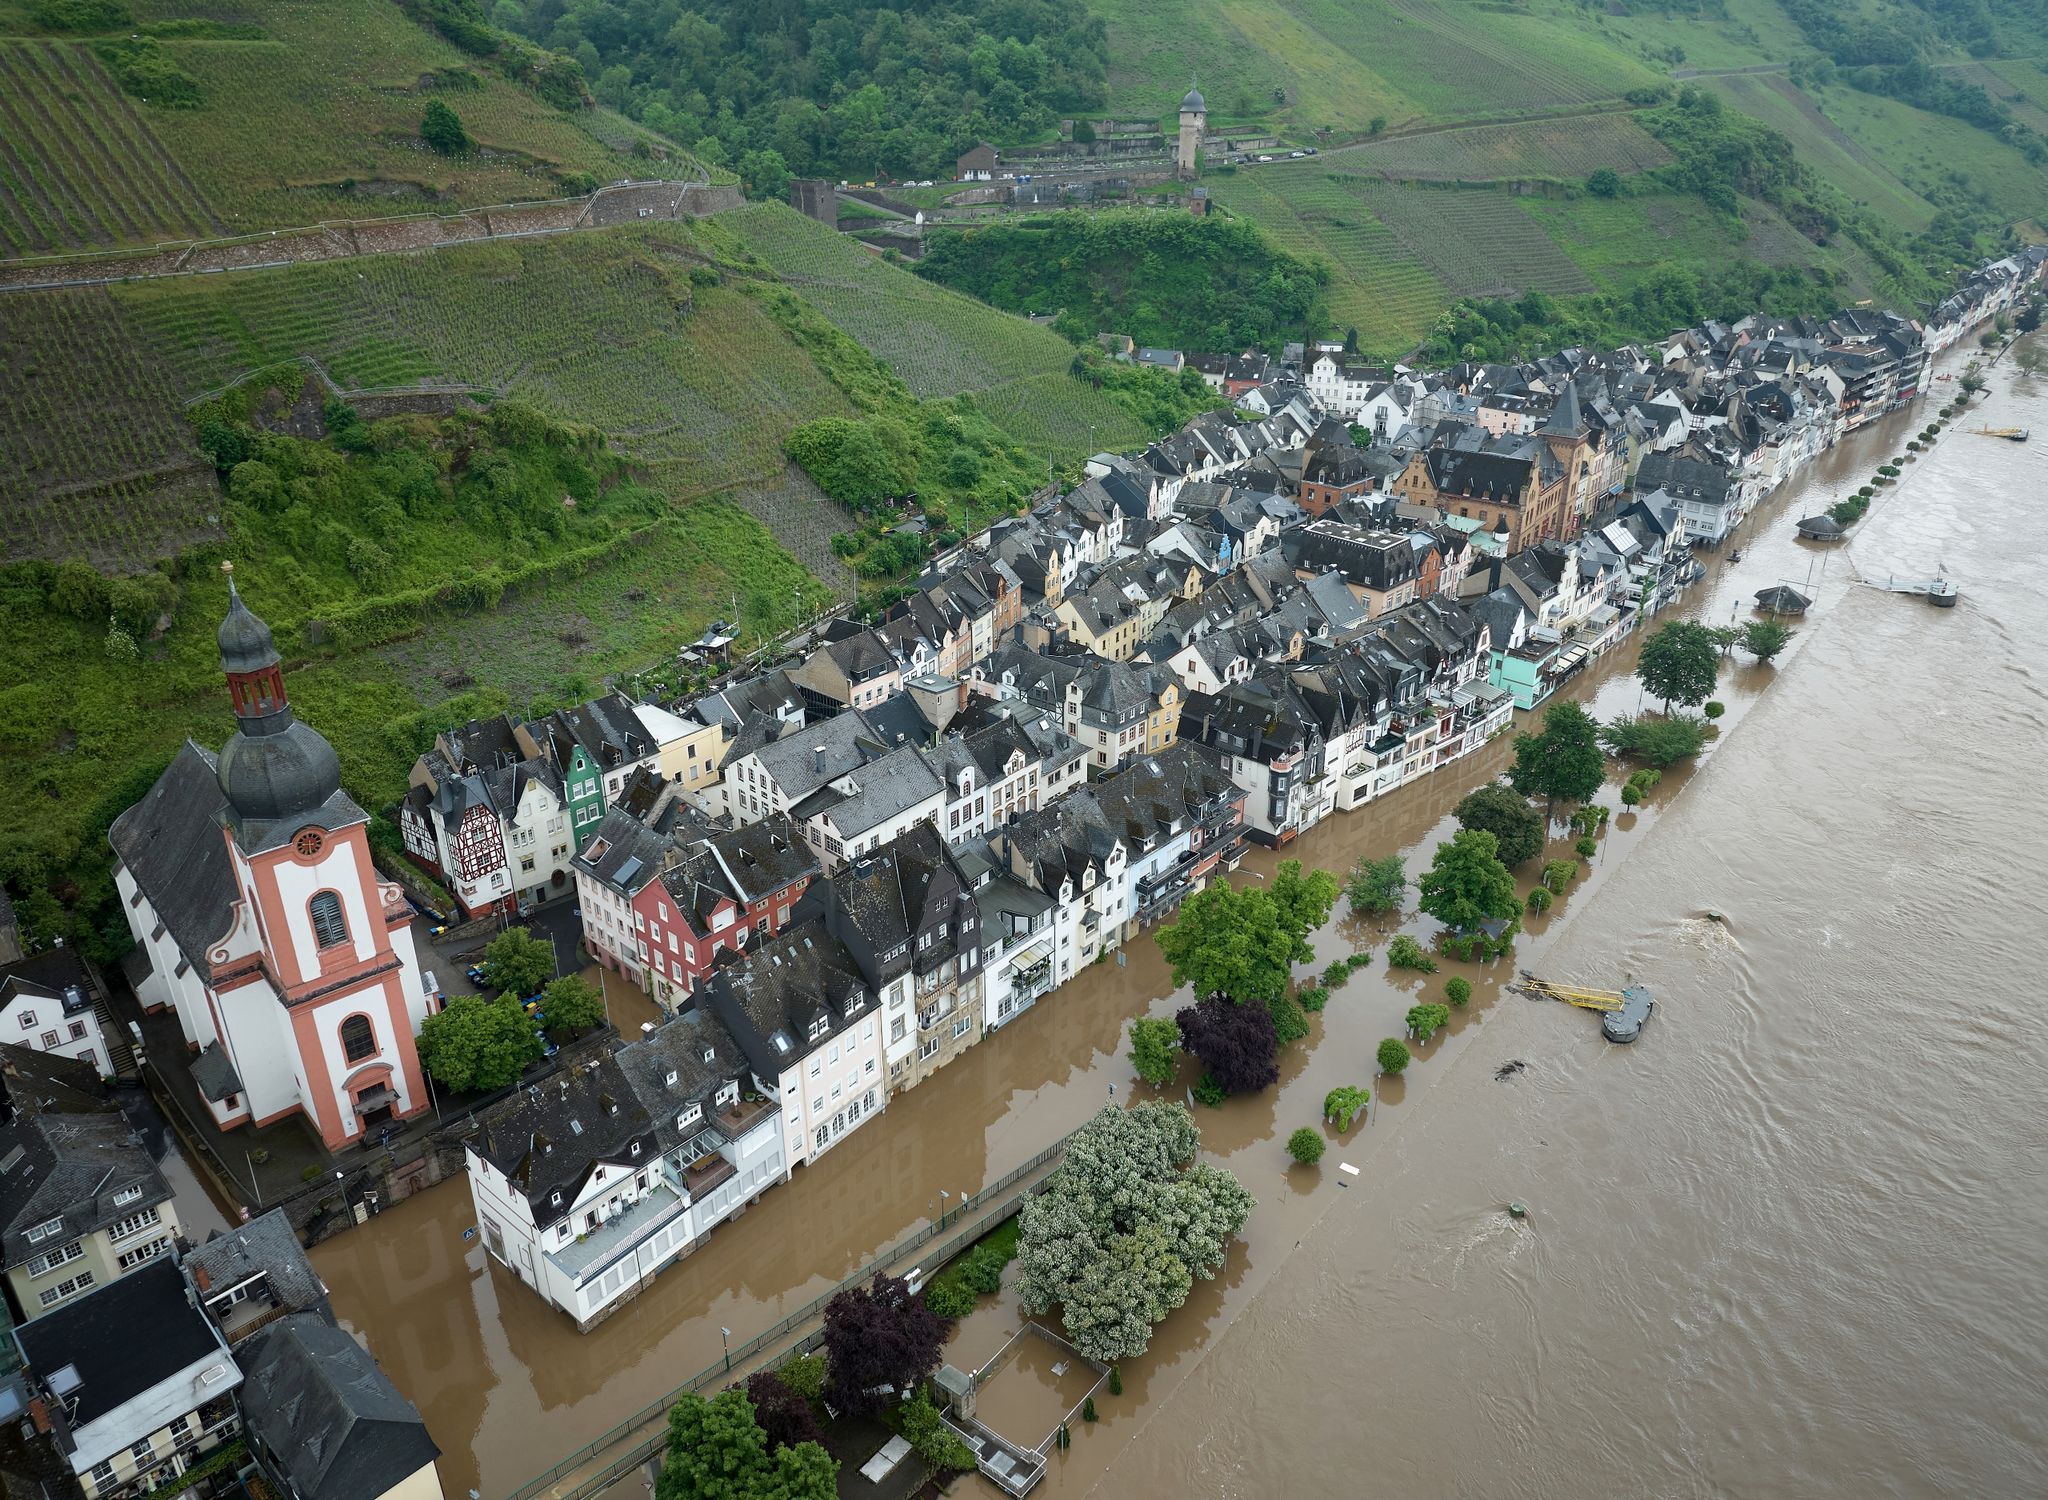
(508, 1387)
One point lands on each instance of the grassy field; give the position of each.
(1567, 150)
(940, 342)
(1833, 155)
(1339, 63)
(1616, 240)
(1922, 149)
(317, 119)
(1476, 242)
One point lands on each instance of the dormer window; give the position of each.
(555, 1199)
(634, 1149)
(689, 1117)
(710, 1055)
(670, 1080)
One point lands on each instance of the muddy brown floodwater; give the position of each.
(1780, 1246)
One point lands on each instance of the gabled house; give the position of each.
(82, 1203)
(136, 1384)
(590, 1184)
(810, 1030)
(907, 918)
(325, 1424)
(48, 1002)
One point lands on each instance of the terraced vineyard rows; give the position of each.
(318, 119)
(1476, 242)
(938, 341)
(1457, 62)
(1058, 414)
(1569, 149)
(96, 457)
(1378, 285)
(697, 383)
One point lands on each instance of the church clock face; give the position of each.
(309, 844)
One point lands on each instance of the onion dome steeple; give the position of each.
(1193, 102)
(274, 770)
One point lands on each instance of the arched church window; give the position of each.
(330, 927)
(358, 1041)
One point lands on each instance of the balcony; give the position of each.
(704, 1174)
(582, 1259)
(737, 1118)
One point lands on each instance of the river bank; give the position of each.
(1781, 1245)
(508, 1387)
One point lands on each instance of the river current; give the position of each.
(1790, 1243)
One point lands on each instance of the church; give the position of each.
(247, 882)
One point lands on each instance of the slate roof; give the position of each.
(68, 1150)
(323, 1412)
(171, 844)
(788, 996)
(124, 1339)
(678, 1046)
(547, 1135)
(791, 762)
(1691, 479)
(870, 795)
(265, 1246)
(215, 1075)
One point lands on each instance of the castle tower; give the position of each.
(1194, 116)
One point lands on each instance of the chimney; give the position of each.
(818, 760)
(1493, 572)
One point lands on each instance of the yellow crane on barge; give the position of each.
(1623, 1013)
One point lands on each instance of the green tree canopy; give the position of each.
(1155, 1048)
(1563, 762)
(1655, 742)
(1376, 886)
(1680, 662)
(1304, 901)
(1764, 639)
(1306, 1146)
(1466, 883)
(1342, 1104)
(573, 1004)
(1125, 1225)
(476, 1044)
(717, 1451)
(1505, 813)
(1231, 941)
(519, 963)
(441, 128)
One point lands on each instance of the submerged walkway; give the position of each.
(594, 1468)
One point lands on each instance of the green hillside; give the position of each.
(1341, 63)
(240, 117)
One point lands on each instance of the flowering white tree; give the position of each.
(1125, 1226)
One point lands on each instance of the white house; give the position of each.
(46, 1003)
(592, 1183)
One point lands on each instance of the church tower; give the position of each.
(325, 1018)
(1194, 116)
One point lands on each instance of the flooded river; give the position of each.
(1778, 1247)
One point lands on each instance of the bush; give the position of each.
(1088, 1409)
(1428, 1019)
(1312, 1000)
(982, 1271)
(1290, 1022)
(1393, 1055)
(1587, 847)
(1116, 1381)
(1405, 953)
(1306, 1146)
(1559, 873)
(805, 1375)
(1337, 973)
(1715, 709)
(1457, 991)
(1208, 1091)
(1155, 1049)
(441, 128)
(949, 1299)
(80, 15)
(1341, 1105)
(1539, 901)
(1631, 795)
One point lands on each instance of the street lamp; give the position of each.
(725, 1343)
(944, 1197)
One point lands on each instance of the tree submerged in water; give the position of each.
(1125, 1225)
